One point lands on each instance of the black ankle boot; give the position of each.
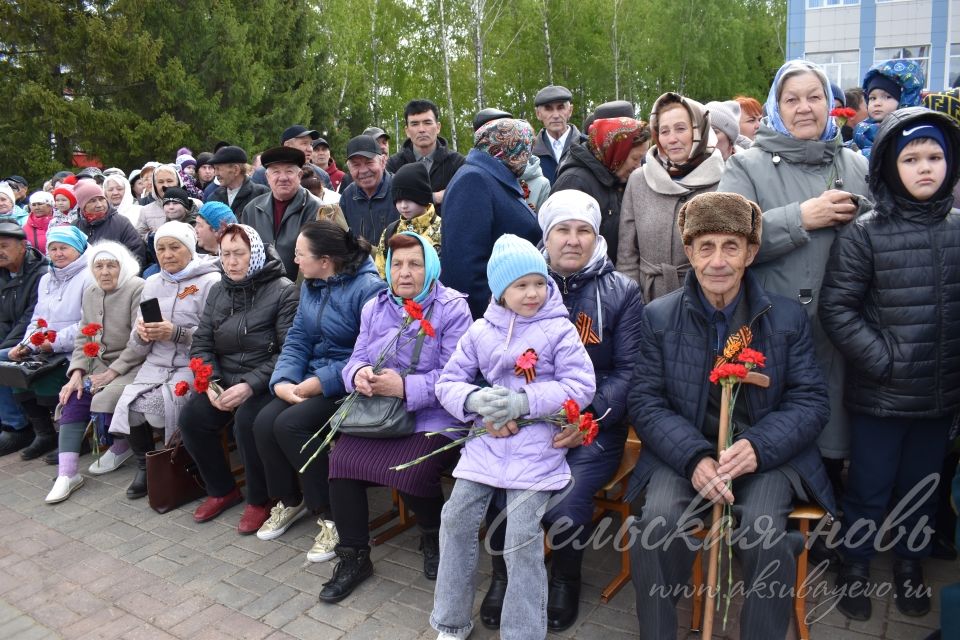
(430, 547)
(563, 599)
(12, 440)
(852, 583)
(353, 567)
(45, 436)
(141, 441)
(492, 605)
(912, 596)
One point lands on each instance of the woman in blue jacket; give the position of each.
(339, 277)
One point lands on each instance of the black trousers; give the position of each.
(281, 430)
(200, 425)
(348, 499)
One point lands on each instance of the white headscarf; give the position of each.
(110, 250)
(571, 204)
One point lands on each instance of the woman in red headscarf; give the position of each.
(601, 166)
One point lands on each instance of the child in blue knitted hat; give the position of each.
(525, 347)
(888, 86)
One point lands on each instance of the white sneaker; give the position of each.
(324, 543)
(109, 461)
(63, 487)
(280, 519)
(463, 635)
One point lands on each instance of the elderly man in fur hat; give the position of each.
(773, 461)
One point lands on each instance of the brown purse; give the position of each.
(173, 478)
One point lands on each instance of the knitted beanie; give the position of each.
(178, 231)
(85, 191)
(66, 191)
(69, 235)
(725, 117)
(412, 182)
(217, 215)
(511, 259)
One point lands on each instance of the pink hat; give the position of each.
(85, 191)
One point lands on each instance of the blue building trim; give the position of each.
(939, 44)
(868, 35)
(796, 28)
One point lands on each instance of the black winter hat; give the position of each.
(204, 158)
(412, 182)
(178, 195)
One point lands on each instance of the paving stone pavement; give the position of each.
(99, 566)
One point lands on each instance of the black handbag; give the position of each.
(380, 416)
(21, 374)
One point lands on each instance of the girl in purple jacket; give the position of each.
(527, 348)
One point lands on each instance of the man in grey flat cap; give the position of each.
(554, 106)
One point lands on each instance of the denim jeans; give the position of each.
(11, 415)
(524, 614)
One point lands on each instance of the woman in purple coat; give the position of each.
(412, 272)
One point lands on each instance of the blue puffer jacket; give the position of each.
(482, 202)
(671, 384)
(614, 307)
(325, 328)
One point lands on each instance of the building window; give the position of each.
(919, 54)
(954, 70)
(819, 4)
(842, 67)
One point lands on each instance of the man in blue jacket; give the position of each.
(773, 460)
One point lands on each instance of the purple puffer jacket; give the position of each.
(379, 321)
(491, 347)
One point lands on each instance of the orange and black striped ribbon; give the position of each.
(529, 373)
(585, 329)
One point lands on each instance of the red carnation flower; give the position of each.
(750, 356)
(413, 309)
(181, 388)
(427, 328)
(51, 335)
(37, 339)
(91, 329)
(91, 349)
(195, 364)
(41, 323)
(572, 410)
(589, 428)
(201, 385)
(728, 370)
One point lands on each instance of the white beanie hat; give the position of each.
(178, 231)
(7, 190)
(571, 204)
(41, 197)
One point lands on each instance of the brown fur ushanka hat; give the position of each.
(718, 212)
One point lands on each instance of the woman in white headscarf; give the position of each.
(117, 190)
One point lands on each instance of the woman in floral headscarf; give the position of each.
(243, 326)
(601, 166)
(484, 201)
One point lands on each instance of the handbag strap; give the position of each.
(418, 347)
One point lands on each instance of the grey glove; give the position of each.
(510, 406)
(486, 402)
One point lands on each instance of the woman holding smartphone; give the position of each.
(180, 291)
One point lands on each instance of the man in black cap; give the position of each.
(21, 267)
(486, 115)
(554, 106)
(366, 203)
(381, 136)
(206, 174)
(278, 215)
(299, 137)
(20, 191)
(236, 190)
(323, 159)
(424, 144)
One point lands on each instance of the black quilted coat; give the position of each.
(244, 325)
(668, 400)
(890, 300)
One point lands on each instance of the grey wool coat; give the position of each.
(779, 173)
(117, 311)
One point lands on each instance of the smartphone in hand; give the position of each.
(150, 310)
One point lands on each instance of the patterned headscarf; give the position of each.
(611, 139)
(792, 68)
(258, 253)
(507, 140)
